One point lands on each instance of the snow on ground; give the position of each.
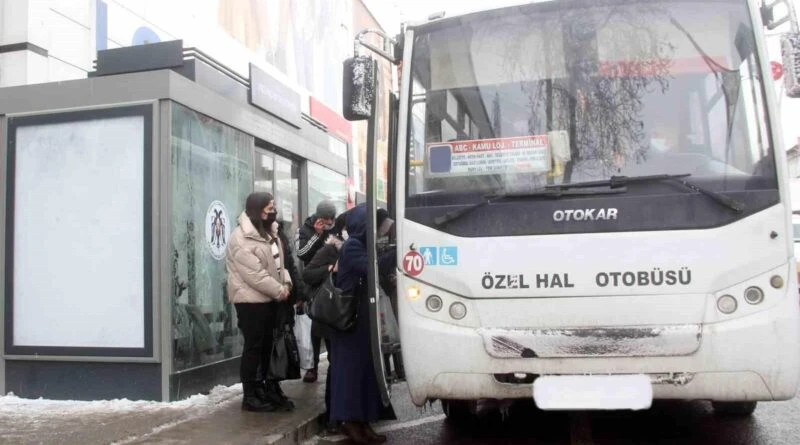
(11, 405)
(120, 421)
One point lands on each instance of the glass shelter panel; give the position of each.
(212, 171)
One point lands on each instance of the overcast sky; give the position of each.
(390, 13)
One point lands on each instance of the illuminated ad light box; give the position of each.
(78, 237)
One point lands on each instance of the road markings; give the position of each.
(386, 428)
(580, 428)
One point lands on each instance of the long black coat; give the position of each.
(354, 388)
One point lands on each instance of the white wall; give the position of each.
(64, 28)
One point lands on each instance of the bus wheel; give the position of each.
(734, 408)
(460, 412)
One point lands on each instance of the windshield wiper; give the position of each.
(622, 181)
(547, 193)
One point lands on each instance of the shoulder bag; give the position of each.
(332, 307)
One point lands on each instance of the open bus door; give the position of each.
(361, 84)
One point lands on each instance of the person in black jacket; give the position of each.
(316, 230)
(298, 292)
(314, 274)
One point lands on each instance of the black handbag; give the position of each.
(332, 307)
(284, 363)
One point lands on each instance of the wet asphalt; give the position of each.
(667, 422)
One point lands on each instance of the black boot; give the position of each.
(274, 394)
(252, 402)
(261, 391)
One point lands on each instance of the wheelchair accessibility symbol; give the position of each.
(439, 256)
(448, 256)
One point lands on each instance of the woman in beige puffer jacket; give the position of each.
(257, 280)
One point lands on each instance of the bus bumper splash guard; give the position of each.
(642, 341)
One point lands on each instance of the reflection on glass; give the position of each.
(287, 196)
(599, 89)
(325, 184)
(337, 147)
(212, 176)
(264, 173)
(287, 189)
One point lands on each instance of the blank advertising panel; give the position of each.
(77, 251)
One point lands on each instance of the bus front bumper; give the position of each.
(756, 357)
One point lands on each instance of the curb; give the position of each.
(306, 430)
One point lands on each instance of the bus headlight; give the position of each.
(727, 304)
(458, 311)
(776, 281)
(434, 303)
(754, 295)
(414, 293)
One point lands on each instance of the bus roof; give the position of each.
(442, 18)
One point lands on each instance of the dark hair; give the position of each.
(339, 224)
(254, 206)
(380, 216)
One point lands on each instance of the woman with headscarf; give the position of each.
(355, 398)
(257, 281)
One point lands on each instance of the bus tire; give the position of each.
(734, 408)
(460, 412)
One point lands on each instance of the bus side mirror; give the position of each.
(772, 20)
(358, 88)
(790, 50)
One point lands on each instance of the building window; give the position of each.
(325, 184)
(337, 147)
(264, 173)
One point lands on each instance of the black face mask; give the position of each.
(271, 216)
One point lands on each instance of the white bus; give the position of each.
(592, 206)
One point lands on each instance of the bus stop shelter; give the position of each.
(120, 192)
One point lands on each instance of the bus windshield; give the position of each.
(520, 100)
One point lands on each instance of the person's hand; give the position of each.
(336, 267)
(319, 226)
(284, 295)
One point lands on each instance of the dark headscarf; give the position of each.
(353, 259)
(254, 206)
(339, 224)
(357, 221)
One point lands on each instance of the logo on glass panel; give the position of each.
(217, 229)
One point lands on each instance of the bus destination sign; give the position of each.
(525, 154)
